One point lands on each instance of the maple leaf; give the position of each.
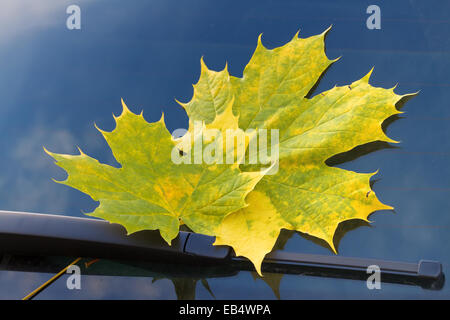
(305, 195)
(213, 94)
(211, 109)
(149, 191)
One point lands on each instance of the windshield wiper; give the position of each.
(31, 234)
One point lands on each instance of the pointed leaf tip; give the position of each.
(324, 33)
(47, 151)
(203, 66)
(124, 107)
(335, 60)
(183, 105)
(225, 69)
(103, 132)
(59, 181)
(366, 78)
(374, 173)
(330, 242)
(258, 270)
(80, 151)
(410, 94)
(259, 43)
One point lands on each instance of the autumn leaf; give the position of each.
(213, 93)
(149, 191)
(243, 206)
(273, 280)
(211, 108)
(305, 195)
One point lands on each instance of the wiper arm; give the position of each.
(54, 235)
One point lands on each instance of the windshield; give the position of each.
(55, 83)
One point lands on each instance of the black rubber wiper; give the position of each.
(32, 234)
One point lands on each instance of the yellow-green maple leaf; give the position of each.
(213, 93)
(212, 105)
(305, 195)
(149, 191)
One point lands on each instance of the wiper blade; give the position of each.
(54, 235)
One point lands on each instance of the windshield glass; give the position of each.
(55, 83)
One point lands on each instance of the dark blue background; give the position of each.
(55, 83)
